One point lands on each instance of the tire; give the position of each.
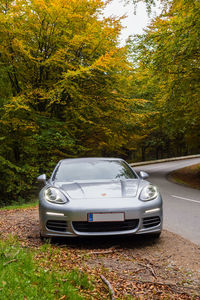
(44, 239)
(41, 237)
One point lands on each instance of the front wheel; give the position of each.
(44, 239)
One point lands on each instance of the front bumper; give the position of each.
(71, 220)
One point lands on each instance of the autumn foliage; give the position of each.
(68, 89)
(63, 78)
(167, 64)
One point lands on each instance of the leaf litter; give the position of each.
(121, 267)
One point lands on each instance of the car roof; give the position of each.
(88, 159)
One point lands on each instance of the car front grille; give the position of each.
(56, 225)
(151, 221)
(105, 226)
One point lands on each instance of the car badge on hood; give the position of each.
(104, 194)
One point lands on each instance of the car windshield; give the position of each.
(93, 170)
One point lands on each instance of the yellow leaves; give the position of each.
(103, 62)
(16, 124)
(16, 104)
(66, 60)
(16, 116)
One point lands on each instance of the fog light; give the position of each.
(152, 210)
(54, 214)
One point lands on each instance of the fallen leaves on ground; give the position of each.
(189, 176)
(139, 267)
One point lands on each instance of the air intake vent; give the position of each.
(151, 222)
(105, 226)
(56, 225)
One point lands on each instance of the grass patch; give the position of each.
(24, 277)
(21, 204)
(31, 200)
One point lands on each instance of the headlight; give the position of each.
(149, 192)
(54, 195)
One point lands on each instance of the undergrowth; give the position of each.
(23, 277)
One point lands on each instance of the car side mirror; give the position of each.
(42, 178)
(143, 174)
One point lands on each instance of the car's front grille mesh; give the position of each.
(56, 225)
(105, 226)
(151, 221)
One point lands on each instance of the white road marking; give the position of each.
(191, 200)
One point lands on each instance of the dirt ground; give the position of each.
(136, 266)
(189, 176)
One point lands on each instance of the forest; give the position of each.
(68, 89)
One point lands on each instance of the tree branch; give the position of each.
(111, 291)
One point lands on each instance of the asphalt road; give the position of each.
(181, 204)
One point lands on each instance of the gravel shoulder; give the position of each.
(136, 266)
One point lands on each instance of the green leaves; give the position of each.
(67, 92)
(167, 63)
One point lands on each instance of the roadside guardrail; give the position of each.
(150, 162)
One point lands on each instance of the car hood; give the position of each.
(100, 189)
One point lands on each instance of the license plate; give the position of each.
(105, 217)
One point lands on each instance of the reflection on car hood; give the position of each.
(100, 189)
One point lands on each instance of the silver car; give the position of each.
(98, 197)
